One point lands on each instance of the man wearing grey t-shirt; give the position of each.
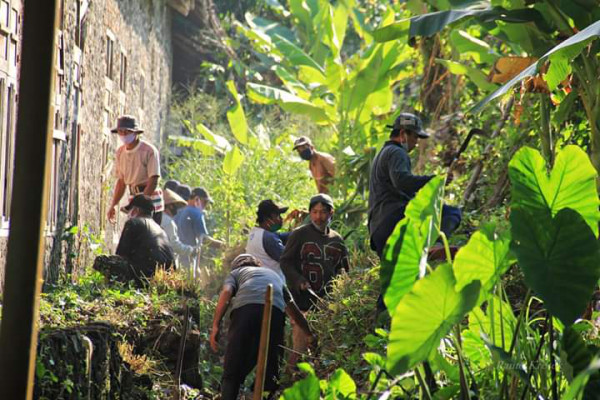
(247, 284)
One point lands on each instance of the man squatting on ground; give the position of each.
(137, 167)
(247, 284)
(143, 246)
(313, 256)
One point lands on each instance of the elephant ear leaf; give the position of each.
(559, 257)
(425, 315)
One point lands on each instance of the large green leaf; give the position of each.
(560, 64)
(432, 23)
(219, 141)
(268, 27)
(578, 354)
(340, 386)
(207, 148)
(467, 45)
(472, 73)
(484, 258)
(269, 95)
(572, 183)
(233, 161)
(581, 381)
(497, 323)
(405, 253)
(591, 32)
(560, 258)
(305, 389)
(358, 90)
(294, 54)
(236, 116)
(425, 315)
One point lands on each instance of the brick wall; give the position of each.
(89, 97)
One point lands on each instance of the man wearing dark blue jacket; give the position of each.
(392, 184)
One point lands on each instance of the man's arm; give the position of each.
(212, 242)
(178, 246)
(290, 263)
(224, 299)
(329, 165)
(151, 185)
(401, 175)
(273, 245)
(128, 238)
(201, 232)
(117, 196)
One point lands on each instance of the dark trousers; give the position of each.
(242, 348)
(451, 217)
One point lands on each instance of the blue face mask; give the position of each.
(306, 154)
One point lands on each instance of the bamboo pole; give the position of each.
(18, 337)
(263, 349)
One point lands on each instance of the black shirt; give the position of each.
(144, 243)
(392, 183)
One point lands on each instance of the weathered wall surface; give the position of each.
(90, 96)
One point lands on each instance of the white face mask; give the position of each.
(322, 228)
(127, 139)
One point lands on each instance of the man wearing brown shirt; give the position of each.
(313, 256)
(322, 165)
(137, 167)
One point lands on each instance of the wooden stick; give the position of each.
(263, 349)
(181, 351)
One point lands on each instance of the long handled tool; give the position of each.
(181, 351)
(263, 349)
(465, 143)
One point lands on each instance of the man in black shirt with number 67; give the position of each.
(313, 256)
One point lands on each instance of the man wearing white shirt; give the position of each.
(264, 241)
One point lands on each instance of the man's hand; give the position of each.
(214, 337)
(303, 284)
(111, 215)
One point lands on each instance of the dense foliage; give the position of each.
(511, 316)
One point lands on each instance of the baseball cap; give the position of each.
(184, 191)
(172, 184)
(411, 122)
(268, 207)
(245, 260)
(202, 193)
(321, 198)
(302, 141)
(142, 202)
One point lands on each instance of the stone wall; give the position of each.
(89, 98)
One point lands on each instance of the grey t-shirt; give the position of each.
(250, 285)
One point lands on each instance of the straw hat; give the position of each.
(173, 198)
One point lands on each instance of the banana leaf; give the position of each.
(589, 33)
